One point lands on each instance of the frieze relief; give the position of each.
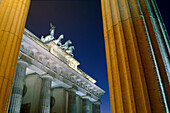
(55, 68)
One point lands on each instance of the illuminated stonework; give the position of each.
(13, 14)
(137, 51)
(52, 73)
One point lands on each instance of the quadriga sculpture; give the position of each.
(65, 46)
(58, 41)
(49, 37)
(70, 50)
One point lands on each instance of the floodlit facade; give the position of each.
(137, 51)
(47, 80)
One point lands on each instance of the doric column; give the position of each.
(13, 14)
(137, 56)
(16, 97)
(72, 102)
(78, 104)
(86, 106)
(45, 94)
(96, 107)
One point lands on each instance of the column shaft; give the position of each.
(96, 108)
(13, 15)
(78, 104)
(137, 72)
(16, 97)
(87, 106)
(72, 102)
(45, 95)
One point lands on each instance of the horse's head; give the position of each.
(68, 42)
(61, 37)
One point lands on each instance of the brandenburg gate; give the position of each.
(137, 51)
(47, 79)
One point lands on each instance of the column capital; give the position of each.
(22, 62)
(58, 87)
(46, 76)
(88, 95)
(74, 88)
(71, 92)
(87, 99)
(97, 102)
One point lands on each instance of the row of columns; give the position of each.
(45, 96)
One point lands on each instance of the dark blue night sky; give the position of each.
(81, 22)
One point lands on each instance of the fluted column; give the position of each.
(87, 106)
(72, 102)
(16, 97)
(78, 103)
(96, 108)
(45, 94)
(13, 14)
(136, 52)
